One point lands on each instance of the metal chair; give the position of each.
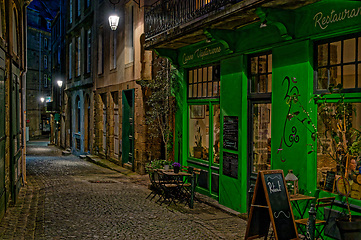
(321, 218)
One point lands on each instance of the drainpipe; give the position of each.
(23, 89)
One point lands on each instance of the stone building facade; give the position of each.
(79, 75)
(120, 132)
(39, 80)
(12, 100)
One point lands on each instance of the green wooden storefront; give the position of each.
(288, 40)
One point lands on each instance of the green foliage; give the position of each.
(337, 121)
(159, 163)
(161, 104)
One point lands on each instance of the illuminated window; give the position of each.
(338, 62)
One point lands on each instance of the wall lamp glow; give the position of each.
(114, 17)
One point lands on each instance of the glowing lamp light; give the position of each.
(42, 99)
(113, 21)
(60, 83)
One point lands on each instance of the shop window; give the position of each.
(204, 82)
(260, 111)
(261, 136)
(330, 146)
(338, 62)
(77, 114)
(261, 73)
(204, 114)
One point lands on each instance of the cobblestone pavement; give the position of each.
(69, 198)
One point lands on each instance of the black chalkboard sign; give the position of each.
(270, 204)
(330, 181)
(230, 164)
(230, 132)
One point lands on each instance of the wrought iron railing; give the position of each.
(167, 14)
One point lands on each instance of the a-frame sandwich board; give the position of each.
(271, 204)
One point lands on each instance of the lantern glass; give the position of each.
(113, 21)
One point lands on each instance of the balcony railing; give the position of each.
(167, 14)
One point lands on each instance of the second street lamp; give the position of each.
(114, 17)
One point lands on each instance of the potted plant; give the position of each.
(198, 149)
(340, 142)
(176, 166)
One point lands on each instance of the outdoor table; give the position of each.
(180, 175)
(296, 199)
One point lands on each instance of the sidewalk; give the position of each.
(144, 180)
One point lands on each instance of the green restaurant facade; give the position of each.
(234, 107)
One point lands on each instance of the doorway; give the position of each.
(128, 127)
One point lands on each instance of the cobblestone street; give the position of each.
(67, 197)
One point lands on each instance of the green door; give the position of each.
(2, 143)
(128, 126)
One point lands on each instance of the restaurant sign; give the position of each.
(202, 53)
(328, 16)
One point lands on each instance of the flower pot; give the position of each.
(349, 230)
(176, 169)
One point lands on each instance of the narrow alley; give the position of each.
(67, 197)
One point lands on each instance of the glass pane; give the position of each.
(210, 70)
(322, 55)
(195, 90)
(215, 89)
(195, 76)
(335, 75)
(205, 74)
(216, 132)
(261, 131)
(349, 73)
(359, 75)
(190, 90)
(210, 89)
(262, 64)
(200, 75)
(198, 131)
(328, 145)
(190, 73)
(254, 62)
(199, 90)
(359, 49)
(263, 84)
(349, 50)
(269, 89)
(204, 90)
(270, 63)
(322, 75)
(335, 53)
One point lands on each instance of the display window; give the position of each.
(260, 111)
(204, 114)
(332, 159)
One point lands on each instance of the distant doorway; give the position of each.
(128, 126)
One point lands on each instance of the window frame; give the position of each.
(256, 98)
(356, 63)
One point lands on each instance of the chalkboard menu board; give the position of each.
(330, 181)
(230, 164)
(230, 132)
(271, 203)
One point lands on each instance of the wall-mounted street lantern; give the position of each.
(114, 17)
(60, 83)
(42, 99)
